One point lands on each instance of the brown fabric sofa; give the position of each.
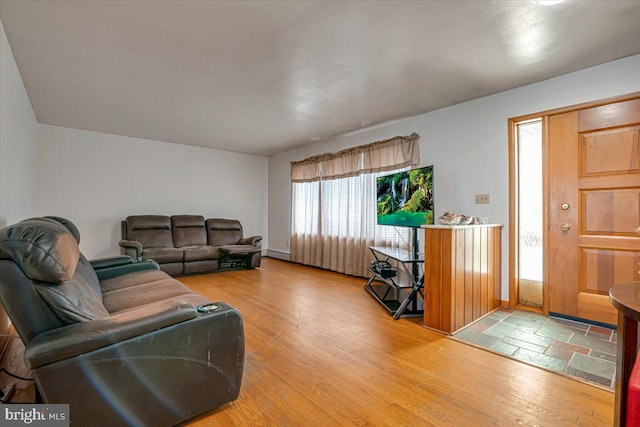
(187, 244)
(120, 341)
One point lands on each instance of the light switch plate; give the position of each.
(482, 199)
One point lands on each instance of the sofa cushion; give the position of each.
(203, 266)
(201, 253)
(44, 249)
(130, 297)
(153, 231)
(133, 279)
(164, 255)
(223, 231)
(194, 299)
(188, 230)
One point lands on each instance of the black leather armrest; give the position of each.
(114, 261)
(83, 337)
(120, 270)
(131, 248)
(253, 241)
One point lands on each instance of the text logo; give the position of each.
(36, 415)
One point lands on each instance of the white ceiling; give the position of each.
(265, 77)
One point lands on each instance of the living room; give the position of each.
(98, 178)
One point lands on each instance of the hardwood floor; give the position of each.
(24, 391)
(321, 351)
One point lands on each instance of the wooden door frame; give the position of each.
(514, 300)
(513, 196)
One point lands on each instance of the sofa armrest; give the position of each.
(253, 241)
(131, 248)
(114, 261)
(121, 270)
(73, 340)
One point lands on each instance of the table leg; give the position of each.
(412, 297)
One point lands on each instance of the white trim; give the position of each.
(272, 253)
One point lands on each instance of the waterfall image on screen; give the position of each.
(406, 198)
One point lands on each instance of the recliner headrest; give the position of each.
(223, 224)
(180, 221)
(148, 222)
(70, 226)
(43, 248)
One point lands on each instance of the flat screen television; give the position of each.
(405, 199)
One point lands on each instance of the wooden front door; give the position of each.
(594, 207)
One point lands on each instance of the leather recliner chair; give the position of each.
(121, 342)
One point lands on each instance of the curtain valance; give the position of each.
(389, 154)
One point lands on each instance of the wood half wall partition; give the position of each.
(462, 280)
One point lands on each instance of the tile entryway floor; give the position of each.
(573, 348)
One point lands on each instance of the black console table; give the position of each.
(401, 294)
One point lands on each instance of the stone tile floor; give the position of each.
(578, 349)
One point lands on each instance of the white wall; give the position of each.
(97, 179)
(466, 143)
(18, 151)
(18, 142)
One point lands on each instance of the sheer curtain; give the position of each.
(334, 204)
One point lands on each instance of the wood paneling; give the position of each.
(610, 115)
(462, 274)
(605, 182)
(457, 276)
(611, 212)
(433, 307)
(596, 306)
(484, 271)
(594, 158)
(603, 268)
(609, 152)
(563, 188)
(466, 305)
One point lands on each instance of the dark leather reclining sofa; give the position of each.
(121, 342)
(187, 244)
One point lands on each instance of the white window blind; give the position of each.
(334, 204)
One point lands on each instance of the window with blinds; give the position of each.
(334, 204)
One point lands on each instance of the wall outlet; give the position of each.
(482, 199)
